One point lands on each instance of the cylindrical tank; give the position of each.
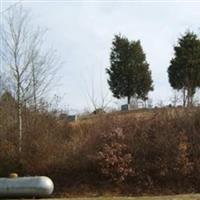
(37, 186)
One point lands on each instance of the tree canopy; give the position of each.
(129, 74)
(184, 69)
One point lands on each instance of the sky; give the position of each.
(82, 34)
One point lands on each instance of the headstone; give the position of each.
(72, 118)
(125, 107)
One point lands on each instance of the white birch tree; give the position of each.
(29, 66)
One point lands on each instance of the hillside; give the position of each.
(124, 153)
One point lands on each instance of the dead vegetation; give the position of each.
(157, 151)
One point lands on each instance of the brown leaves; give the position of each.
(114, 158)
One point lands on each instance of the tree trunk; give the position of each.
(145, 103)
(19, 116)
(128, 99)
(189, 97)
(19, 124)
(20, 127)
(34, 88)
(184, 98)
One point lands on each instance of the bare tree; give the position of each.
(24, 59)
(97, 95)
(43, 70)
(176, 98)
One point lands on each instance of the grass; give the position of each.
(176, 197)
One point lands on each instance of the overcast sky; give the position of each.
(82, 33)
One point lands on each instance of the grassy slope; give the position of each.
(176, 197)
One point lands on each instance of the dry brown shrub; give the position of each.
(114, 157)
(161, 147)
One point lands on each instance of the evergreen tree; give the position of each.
(7, 98)
(184, 69)
(129, 74)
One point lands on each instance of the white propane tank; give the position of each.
(37, 186)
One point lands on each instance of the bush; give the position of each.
(114, 158)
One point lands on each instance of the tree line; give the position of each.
(130, 76)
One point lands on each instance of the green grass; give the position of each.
(176, 197)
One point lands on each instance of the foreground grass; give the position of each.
(176, 197)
